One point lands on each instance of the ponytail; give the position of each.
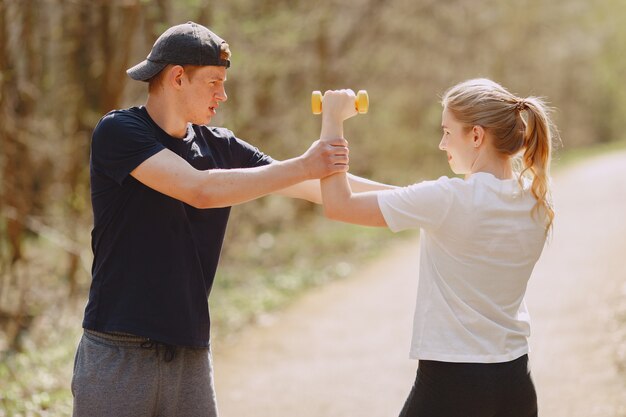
(537, 154)
(517, 125)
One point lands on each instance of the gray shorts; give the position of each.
(123, 375)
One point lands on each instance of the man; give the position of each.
(162, 183)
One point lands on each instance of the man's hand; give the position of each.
(325, 158)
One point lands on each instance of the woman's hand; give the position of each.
(338, 106)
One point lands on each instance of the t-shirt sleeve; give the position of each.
(120, 143)
(250, 156)
(424, 204)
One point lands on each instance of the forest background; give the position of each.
(62, 66)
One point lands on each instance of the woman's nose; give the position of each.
(442, 144)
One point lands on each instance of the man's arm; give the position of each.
(169, 174)
(310, 190)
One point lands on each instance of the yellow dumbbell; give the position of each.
(361, 102)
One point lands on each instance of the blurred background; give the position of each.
(62, 67)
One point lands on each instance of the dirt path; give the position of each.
(577, 288)
(342, 350)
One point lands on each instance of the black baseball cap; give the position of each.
(186, 44)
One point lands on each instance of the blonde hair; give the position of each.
(515, 124)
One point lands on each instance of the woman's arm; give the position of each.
(341, 204)
(339, 201)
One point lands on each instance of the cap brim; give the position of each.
(145, 70)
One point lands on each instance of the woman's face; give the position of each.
(457, 141)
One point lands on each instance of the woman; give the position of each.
(480, 239)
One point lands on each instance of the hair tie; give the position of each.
(521, 105)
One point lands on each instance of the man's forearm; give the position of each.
(227, 187)
(311, 190)
(169, 174)
(361, 185)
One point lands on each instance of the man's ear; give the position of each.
(175, 76)
(478, 135)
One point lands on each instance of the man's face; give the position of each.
(202, 92)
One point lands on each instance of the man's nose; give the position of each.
(221, 95)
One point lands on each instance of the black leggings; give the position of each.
(445, 389)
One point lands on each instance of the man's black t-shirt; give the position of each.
(155, 257)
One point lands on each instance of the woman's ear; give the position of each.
(478, 135)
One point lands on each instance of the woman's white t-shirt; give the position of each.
(478, 246)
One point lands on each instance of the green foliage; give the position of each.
(35, 382)
(274, 266)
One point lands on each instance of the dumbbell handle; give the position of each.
(361, 102)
